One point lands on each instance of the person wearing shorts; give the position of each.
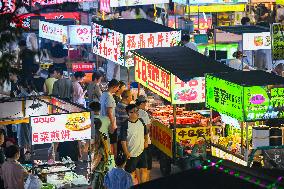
(134, 139)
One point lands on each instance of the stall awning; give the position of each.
(251, 78)
(243, 29)
(183, 62)
(134, 26)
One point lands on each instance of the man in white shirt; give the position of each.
(134, 139)
(185, 39)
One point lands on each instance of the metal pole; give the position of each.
(215, 41)
(242, 138)
(174, 131)
(247, 143)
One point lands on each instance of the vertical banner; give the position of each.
(277, 42)
(108, 44)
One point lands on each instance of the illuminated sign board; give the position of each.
(7, 6)
(79, 34)
(218, 8)
(277, 42)
(256, 41)
(224, 97)
(61, 128)
(53, 32)
(162, 137)
(149, 40)
(116, 47)
(192, 91)
(54, 2)
(263, 102)
(153, 77)
(121, 3)
(225, 155)
(108, 44)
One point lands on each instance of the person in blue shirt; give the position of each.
(118, 178)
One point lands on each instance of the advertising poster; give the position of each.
(108, 44)
(79, 34)
(54, 32)
(192, 91)
(121, 3)
(277, 42)
(256, 41)
(54, 2)
(7, 6)
(262, 103)
(60, 128)
(153, 78)
(224, 97)
(162, 137)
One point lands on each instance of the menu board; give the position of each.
(192, 91)
(61, 128)
(256, 41)
(153, 77)
(224, 97)
(263, 102)
(277, 42)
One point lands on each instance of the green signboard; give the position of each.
(277, 42)
(263, 102)
(224, 97)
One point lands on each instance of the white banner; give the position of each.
(256, 41)
(54, 32)
(79, 34)
(60, 128)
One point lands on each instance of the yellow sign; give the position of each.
(153, 77)
(218, 8)
(191, 134)
(162, 137)
(280, 2)
(224, 155)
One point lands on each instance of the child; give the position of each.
(118, 178)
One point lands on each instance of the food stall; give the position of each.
(249, 38)
(114, 39)
(162, 70)
(251, 98)
(51, 120)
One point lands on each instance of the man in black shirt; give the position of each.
(27, 57)
(15, 87)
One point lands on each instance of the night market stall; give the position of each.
(114, 39)
(255, 100)
(249, 38)
(177, 75)
(52, 120)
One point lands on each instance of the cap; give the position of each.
(141, 98)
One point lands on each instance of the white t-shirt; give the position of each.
(237, 64)
(133, 133)
(145, 117)
(107, 101)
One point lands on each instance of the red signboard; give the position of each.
(54, 2)
(24, 20)
(82, 67)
